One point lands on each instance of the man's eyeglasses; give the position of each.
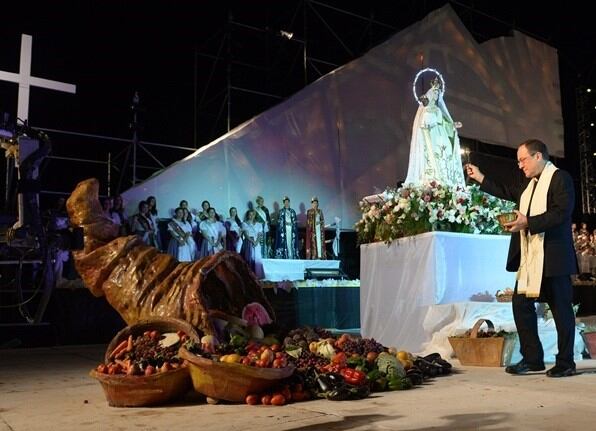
(523, 159)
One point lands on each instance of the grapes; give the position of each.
(301, 337)
(362, 346)
(308, 360)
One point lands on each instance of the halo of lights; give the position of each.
(428, 69)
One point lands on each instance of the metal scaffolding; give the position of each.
(585, 126)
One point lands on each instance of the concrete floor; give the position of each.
(49, 389)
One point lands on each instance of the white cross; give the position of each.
(25, 80)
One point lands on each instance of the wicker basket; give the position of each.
(590, 341)
(483, 352)
(504, 295)
(137, 391)
(231, 382)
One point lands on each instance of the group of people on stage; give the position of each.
(193, 235)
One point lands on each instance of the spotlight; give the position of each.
(591, 124)
(287, 34)
(589, 90)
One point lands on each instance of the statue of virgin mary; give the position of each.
(434, 148)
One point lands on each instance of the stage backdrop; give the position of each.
(347, 135)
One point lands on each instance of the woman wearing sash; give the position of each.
(252, 232)
(154, 216)
(182, 246)
(233, 226)
(262, 216)
(143, 225)
(213, 233)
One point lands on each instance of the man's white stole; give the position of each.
(529, 275)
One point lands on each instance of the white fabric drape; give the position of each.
(401, 281)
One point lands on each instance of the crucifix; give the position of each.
(26, 81)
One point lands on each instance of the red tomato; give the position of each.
(275, 347)
(252, 399)
(286, 393)
(278, 400)
(278, 363)
(266, 400)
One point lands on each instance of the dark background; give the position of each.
(181, 56)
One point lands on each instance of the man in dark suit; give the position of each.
(549, 225)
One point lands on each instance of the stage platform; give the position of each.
(294, 269)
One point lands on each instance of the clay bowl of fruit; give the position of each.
(504, 218)
(141, 365)
(233, 377)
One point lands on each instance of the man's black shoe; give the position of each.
(558, 371)
(523, 367)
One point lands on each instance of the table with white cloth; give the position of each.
(407, 285)
(293, 269)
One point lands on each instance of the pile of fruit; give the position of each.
(146, 354)
(335, 368)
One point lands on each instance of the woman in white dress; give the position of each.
(153, 214)
(234, 231)
(213, 233)
(182, 246)
(188, 217)
(434, 149)
(252, 233)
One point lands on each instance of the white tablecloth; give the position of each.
(419, 290)
(293, 269)
(401, 281)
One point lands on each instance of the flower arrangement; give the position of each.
(414, 209)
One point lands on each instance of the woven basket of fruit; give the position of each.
(480, 348)
(142, 366)
(232, 377)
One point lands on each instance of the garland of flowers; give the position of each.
(410, 210)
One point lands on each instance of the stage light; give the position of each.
(589, 90)
(591, 124)
(287, 34)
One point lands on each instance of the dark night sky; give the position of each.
(110, 49)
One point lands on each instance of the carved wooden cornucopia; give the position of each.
(140, 282)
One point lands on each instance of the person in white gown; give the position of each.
(213, 233)
(182, 245)
(233, 226)
(434, 148)
(252, 233)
